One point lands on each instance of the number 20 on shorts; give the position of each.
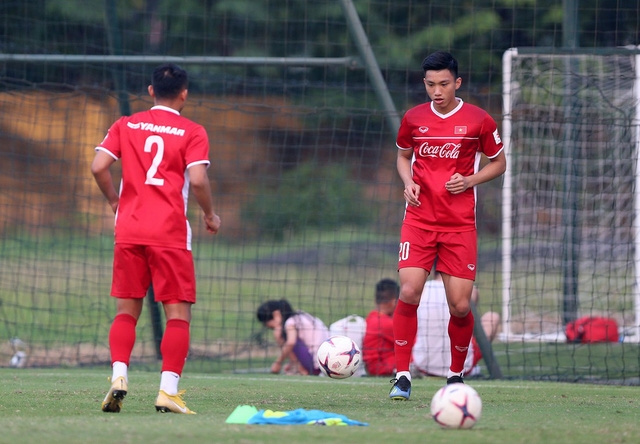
(403, 253)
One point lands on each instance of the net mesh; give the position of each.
(303, 168)
(573, 165)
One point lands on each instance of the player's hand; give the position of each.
(457, 184)
(276, 367)
(213, 223)
(411, 193)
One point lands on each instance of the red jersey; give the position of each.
(443, 145)
(156, 148)
(377, 345)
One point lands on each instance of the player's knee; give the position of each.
(410, 294)
(459, 309)
(491, 317)
(491, 324)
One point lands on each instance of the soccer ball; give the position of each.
(339, 357)
(456, 406)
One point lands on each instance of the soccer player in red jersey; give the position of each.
(377, 345)
(440, 144)
(162, 154)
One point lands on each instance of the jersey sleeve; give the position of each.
(490, 141)
(404, 140)
(111, 142)
(198, 151)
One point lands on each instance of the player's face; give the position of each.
(441, 87)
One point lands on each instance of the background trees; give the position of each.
(401, 31)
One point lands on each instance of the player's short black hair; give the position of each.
(169, 80)
(440, 60)
(387, 290)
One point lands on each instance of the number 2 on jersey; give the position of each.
(157, 159)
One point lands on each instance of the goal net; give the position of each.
(570, 196)
(301, 101)
(303, 177)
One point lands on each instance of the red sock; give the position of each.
(405, 327)
(175, 345)
(122, 337)
(460, 333)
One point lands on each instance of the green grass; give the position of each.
(613, 362)
(63, 406)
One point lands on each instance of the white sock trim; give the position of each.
(169, 383)
(406, 374)
(119, 369)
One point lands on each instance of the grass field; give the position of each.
(63, 406)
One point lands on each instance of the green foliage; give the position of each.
(401, 34)
(310, 196)
(298, 27)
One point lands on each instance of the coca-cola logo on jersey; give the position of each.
(447, 151)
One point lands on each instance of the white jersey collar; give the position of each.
(450, 113)
(166, 108)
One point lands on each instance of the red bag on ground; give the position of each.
(590, 329)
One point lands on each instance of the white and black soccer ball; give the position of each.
(456, 406)
(339, 357)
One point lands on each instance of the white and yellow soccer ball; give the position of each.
(339, 357)
(456, 406)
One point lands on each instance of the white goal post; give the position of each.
(571, 194)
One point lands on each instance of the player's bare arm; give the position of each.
(459, 183)
(201, 189)
(100, 168)
(411, 189)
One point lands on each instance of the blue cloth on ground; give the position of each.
(293, 417)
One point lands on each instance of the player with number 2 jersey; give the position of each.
(163, 157)
(157, 147)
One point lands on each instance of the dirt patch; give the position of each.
(47, 142)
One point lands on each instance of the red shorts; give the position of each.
(170, 269)
(456, 252)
